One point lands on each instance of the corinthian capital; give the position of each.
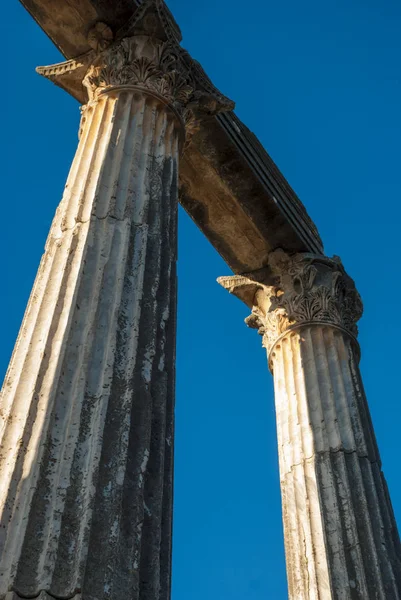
(297, 290)
(145, 54)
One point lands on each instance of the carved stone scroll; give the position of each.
(146, 55)
(299, 290)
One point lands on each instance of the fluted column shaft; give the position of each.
(86, 461)
(88, 401)
(341, 538)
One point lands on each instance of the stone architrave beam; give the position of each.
(228, 183)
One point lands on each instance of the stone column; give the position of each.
(86, 461)
(341, 539)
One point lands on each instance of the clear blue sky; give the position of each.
(319, 83)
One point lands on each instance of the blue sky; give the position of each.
(320, 84)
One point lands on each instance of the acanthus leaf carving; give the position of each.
(306, 289)
(145, 54)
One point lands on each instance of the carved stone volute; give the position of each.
(295, 291)
(145, 54)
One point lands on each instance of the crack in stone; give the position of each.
(330, 452)
(48, 594)
(108, 216)
(93, 217)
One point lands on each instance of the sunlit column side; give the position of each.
(341, 539)
(87, 430)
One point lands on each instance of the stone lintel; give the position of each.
(229, 185)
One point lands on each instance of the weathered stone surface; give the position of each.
(340, 534)
(88, 401)
(341, 538)
(42, 596)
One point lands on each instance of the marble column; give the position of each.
(87, 430)
(341, 538)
